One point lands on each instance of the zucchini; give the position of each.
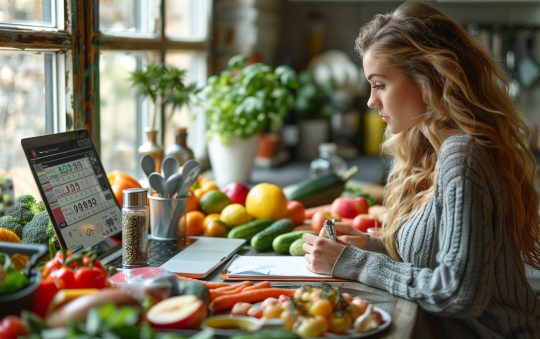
(262, 241)
(297, 247)
(248, 230)
(282, 243)
(319, 190)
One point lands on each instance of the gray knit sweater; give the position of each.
(459, 261)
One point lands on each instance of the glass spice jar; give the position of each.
(135, 222)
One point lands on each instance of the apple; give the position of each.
(363, 204)
(364, 221)
(318, 218)
(349, 207)
(296, 212)
(180, 312)
(237, 192)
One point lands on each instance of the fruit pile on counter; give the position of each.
(272, 218)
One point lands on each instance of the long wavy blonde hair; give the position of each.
(465, 89)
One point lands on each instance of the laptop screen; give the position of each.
(75, 190)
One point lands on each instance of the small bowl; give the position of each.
(228, 324)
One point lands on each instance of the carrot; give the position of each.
(234, 286)
(227, 301)
(222, 291)
(209, 284)
(262, 284)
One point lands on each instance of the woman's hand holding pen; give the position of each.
(347, 234)
(322, 253)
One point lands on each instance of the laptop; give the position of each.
(85, 214)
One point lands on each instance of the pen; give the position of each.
(329, 227)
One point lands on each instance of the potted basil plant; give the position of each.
(239, 103)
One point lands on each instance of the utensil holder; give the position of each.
(167, 218)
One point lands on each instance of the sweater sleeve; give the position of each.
(460, 283)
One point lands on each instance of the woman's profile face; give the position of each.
(397, 98)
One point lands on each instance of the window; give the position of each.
(59, 72)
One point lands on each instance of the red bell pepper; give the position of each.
(44, 295)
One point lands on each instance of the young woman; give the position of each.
(462, 208)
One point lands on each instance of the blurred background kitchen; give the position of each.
(66, 65)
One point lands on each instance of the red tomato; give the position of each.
(64, 277)
(12, 327)
(296, 212)
(364, 221)
(319, 217)
(87, 277)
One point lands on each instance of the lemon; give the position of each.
(234, 215)
(266, 201)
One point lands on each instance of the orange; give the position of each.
(205, 188)
(192, 203)
(213, 202)
(119, 181)
(194, 223)
(209, 218)
(266, 201)
(216, 228)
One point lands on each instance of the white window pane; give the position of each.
(28, 12)
(197, 72)
(187, 19)
(25, 94)
(122, 117)
(123, 17)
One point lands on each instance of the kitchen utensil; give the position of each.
(170, 166)
(148, 165)
(188, 166)
(528, 68)
(157, 183)
(189, 180)
(171, 184)
(514, 87)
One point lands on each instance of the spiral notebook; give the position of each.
(271, 267)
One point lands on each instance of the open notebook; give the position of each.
(270, 267)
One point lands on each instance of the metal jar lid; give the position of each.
(134, 197)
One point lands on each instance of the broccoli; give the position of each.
(35, 232)
(33, 205)
(21, 212)
(10, 223)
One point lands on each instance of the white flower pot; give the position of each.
(232, 162)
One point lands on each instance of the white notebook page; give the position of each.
(272, 266)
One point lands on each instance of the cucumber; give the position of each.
(297, 247)
(248, 230)
(193, 288)
(319, 190)
(282, 243)
(262, 241)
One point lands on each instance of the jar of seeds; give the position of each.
(134, 227)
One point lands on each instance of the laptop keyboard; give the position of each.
(159, 251)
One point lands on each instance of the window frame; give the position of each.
(77, 38)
